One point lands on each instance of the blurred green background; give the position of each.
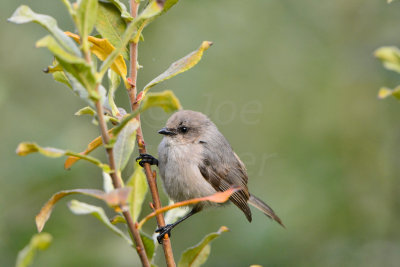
(292, 85)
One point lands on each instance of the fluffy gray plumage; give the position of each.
(195, 160)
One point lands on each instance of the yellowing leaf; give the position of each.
(385, 92)
(111, 26)
(46, 210)
(139, 188)
(91, 146)
(218, 197)
(390, 57)
(197, 255)
(24, 149)
(38, 242)
(115, 198)
(165, 100)
(180, 66)
(102, 48)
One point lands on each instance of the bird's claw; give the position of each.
(146, 158)
(163, 231)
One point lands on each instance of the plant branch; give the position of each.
(117, 184)
(151, 179)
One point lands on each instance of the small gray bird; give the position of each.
(195, 160)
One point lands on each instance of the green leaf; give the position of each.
(81, 208)
(122, 9)
(125, 144)
(168, 4)
(24, 149)
(24, 14)
(390, 57)
(149, 245)
(59, 76)
(180, 66)
(107, 183)
(38, 242)
(139, 188)
(111, 26)
(165, 100)
(197, 255)
(152, 9)
(386, 92)
(85, 20)
(72, 64)
(113, 81)
(175, 214)
(85, 111)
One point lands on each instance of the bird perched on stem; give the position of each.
(195, 160)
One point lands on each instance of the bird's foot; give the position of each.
(163, 231)
(146, 158)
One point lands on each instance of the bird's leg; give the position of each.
(146, 158)
(167, 228)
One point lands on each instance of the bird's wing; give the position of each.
(224, 170)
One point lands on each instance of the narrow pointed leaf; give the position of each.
(180, 66)
(139, 188)
(111, 26)
(197, 255)
(165, 100)
(81, 208)
(125, 144)
(24, 149)
(24, 14)
(46, 210)
(39, 241)
(85, 19)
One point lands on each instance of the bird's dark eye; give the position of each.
(183, 129)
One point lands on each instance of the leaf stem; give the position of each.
(151, 179)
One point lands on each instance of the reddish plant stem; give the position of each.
(117, 184)
(151, 179)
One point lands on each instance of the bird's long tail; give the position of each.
(261, 205)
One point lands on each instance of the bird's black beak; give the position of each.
(165, 131)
